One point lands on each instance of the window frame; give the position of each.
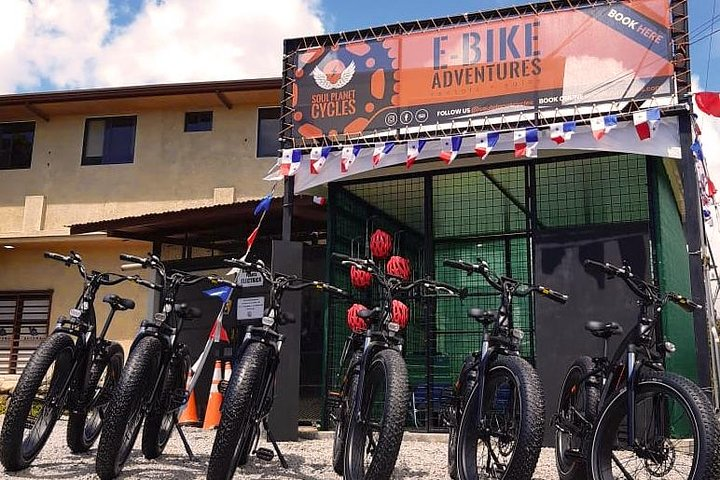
(32, 146)
(257, 131)
(84, 157)
(200, 112)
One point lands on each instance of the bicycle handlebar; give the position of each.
(130, 266)
(683, 302)
(134, 259)
(552, 294)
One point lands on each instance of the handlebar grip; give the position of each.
(131, 266)
(553, 295)
(340, 256)
(56, 256)
(592, 264)
(460, 265)
(146, 283)
(684, 303)
(133, 258)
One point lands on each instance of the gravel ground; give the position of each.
(308, 460)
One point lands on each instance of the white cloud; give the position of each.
(67, 43)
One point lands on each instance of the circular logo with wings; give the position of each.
(333, 75)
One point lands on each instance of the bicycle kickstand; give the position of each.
(274, 444)
(185, 442)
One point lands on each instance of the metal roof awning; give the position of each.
(220, 227)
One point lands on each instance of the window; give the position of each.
(16, 144)
(24, 318)
(268, 130)
(109, 140)
(198, 121)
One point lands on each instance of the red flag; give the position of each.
(708, 102)
(223, 334)
(251, 238)
(711, 188)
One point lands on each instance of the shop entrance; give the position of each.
(503, 214)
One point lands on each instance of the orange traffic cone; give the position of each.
(228, 371)
(189, 416)
(212, 413)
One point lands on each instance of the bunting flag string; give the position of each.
(525, 140)
(262, 208)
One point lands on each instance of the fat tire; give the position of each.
(397, 399)
(238, 408)
(154, 438)
(532, 422)
(343, 420)
(580, 368)
(463, 396)
(11, 436)
(708, 458)
(135, 381)
(112, 357)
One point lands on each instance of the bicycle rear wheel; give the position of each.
(37, 403)
(505, 442)
(85, 424)
(676, 434)
(372, 446)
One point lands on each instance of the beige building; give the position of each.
(89, 156)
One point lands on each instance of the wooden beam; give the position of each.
(37, 112)
(224, 99)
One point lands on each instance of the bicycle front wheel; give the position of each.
(372, 446)
(676, 434)
(505, 442)
(125, 410)
(235, 434)
(37, 403)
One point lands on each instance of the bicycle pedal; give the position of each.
(222, 386)
(264, 454)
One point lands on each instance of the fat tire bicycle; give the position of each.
(74, 370)
(626, 417)
(372, 404)
(152, 384)
(498, 417)
(248, 395)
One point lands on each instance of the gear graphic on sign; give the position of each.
(329, 78)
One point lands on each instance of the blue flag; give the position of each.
(222, 292)
(264, 205)
(697, 150)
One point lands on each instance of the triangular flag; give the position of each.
(526, 142)
(273, 175)
(708, 102)
(223, 334)
(646, 122)
(348, 156)
(264, 205)
(450, 148)
(562, 132)
(318, 157)
(381, 149)
(696, 148)
(222, 292)
(290, 161)
(253, 235)
(485, 142)
(319, 201)
(414, 147)
(602, 125)
(711, 190)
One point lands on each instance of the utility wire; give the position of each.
(707, 69)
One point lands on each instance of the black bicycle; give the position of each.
(498, 417)
(152, 384)
(248, 396)
(372, 404)
(73, 370)
(627, 418)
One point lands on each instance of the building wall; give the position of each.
(24, 268)
(172, 170)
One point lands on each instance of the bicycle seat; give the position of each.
(603, 329)
(188, 313)
(118, 303)
(485, 317)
